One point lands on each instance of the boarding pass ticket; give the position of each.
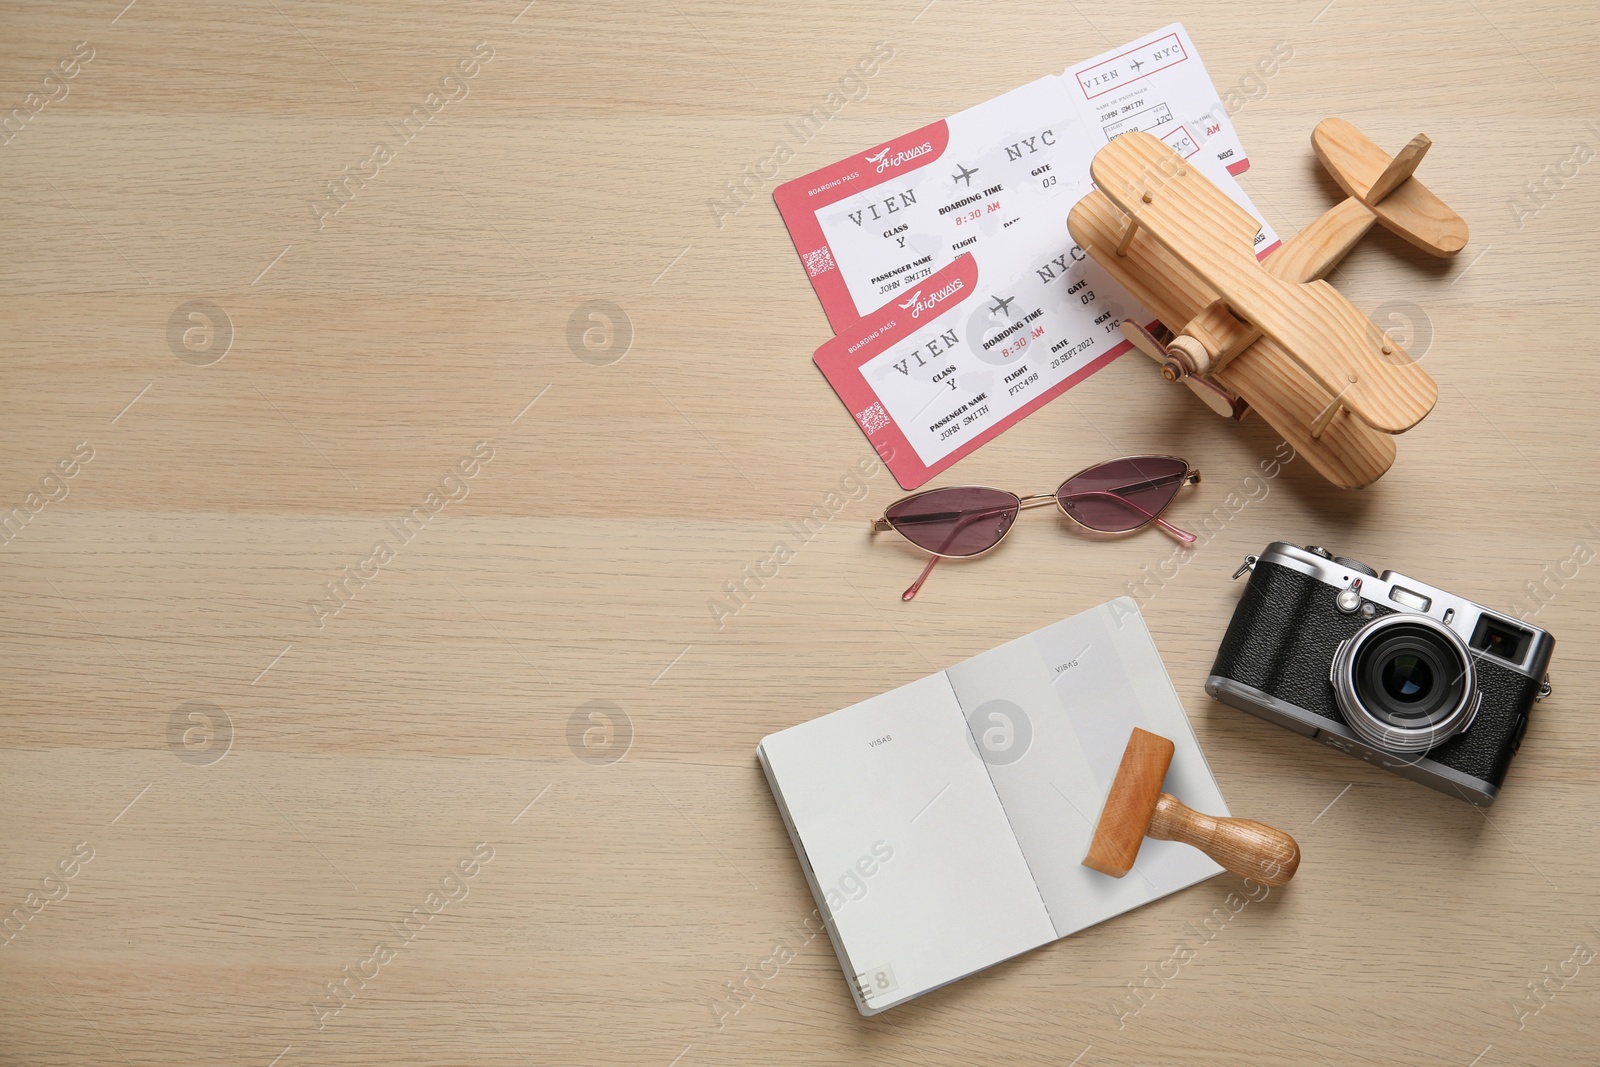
(971, 348)
(883, 221)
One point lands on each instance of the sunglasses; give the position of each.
(961, 521)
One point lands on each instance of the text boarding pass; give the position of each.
(970, 350)
(879, 223)
(1158, 84)
(883, 221)
(979, 344)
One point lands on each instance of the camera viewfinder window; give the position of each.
(1500, 638)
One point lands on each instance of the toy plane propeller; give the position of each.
(1271, 334)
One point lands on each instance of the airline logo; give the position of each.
(918, 303)
(884, 158)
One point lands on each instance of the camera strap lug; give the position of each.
(1544, 690)
(1249, 564)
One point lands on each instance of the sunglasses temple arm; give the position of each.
(963, 520)
(1182, 535)
(966, 518)
(916, 585)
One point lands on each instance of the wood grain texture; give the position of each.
(1386, 186)
(1130, 802)
(1247, 848)
(1211, 395)
(1402, 166)
(449, 699)
(1197, 224)
(1220, 332)
(1321, 244)
(1136, 808)
(1349, 453)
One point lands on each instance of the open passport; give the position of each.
(942, 825)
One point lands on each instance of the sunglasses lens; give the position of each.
(958, 521)
(1123, 494)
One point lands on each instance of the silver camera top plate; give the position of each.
(1399, 592)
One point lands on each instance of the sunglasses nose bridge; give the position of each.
(1038, 500)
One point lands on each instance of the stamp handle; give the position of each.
(1247, 848)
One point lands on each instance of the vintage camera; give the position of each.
(1388, 669)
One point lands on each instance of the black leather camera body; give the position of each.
(1388, 669)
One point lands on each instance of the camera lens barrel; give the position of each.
(1405, 683)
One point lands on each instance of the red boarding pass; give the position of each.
(970, 350)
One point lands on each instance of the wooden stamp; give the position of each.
(1136, 808)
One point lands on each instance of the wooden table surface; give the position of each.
(353, 582)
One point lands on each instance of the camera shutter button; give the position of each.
(1349, 599)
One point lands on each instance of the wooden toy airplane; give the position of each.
(1271, 334)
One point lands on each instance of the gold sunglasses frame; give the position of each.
(1191, 476)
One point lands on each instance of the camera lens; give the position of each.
(1407, 678)
(1405, 683)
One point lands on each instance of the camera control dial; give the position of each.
(1343, 561)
